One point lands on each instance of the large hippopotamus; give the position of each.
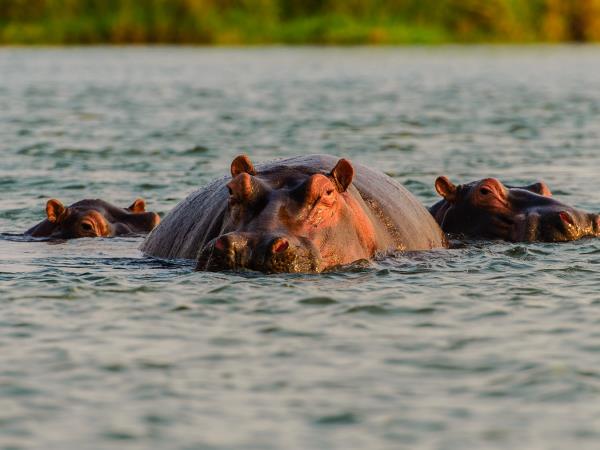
(301, 214)
(93, 218)
(489, 209)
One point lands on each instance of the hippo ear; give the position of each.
(446, 188)
(540, 188)
(242, 164)
(138, 206)
(55, 210)
(342, 173)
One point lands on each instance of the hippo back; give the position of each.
(200, 217)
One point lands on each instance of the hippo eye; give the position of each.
(232, 198)
(485, 191)
(327, 198)
(85, 226)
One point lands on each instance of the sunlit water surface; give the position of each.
(490, 345)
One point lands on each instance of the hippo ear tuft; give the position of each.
(138, 206)
(55, 210)
(446, 188)
(242, 164)
(342, 173)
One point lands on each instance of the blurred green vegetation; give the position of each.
(297, 21)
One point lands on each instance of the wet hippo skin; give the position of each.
(301, 214)
(93, 218)
(491, 210)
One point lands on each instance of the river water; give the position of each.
(489, 345)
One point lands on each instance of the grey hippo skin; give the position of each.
(300, 214)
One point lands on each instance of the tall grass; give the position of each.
(297, 21)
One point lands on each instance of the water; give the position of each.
(490, 345)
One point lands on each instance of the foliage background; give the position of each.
(297, 21)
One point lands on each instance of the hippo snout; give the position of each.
(568, 225)
(270, 254)
(560, 226)
(229, 251)
(555, 225)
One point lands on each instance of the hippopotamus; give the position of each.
(491, 210)
(93, 218)
(301, 214)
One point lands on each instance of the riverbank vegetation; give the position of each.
(233, 22)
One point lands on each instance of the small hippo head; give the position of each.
(489, 209)
(94, 218)
(290, 220)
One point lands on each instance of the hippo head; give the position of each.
(290, 219)
(489, 209)
(94, 218)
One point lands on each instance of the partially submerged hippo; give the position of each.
(93, 218)
(489, 209)
(302, 214)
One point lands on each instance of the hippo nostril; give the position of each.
(566, 218)
(280, 245)
(221, 243)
